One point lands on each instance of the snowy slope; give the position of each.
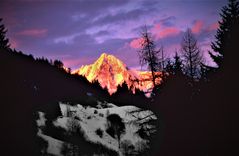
(54, 145)
(91, 119)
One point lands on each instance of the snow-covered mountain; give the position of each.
(111, 72)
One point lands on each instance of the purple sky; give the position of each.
(78, 31)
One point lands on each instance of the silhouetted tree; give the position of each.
(227, 33)
(178, 63)
(191, 54)
(4, 42)
(148, 55)
(58, 64)
(169, 67)
(162, 66)
(116, 126)
(174, 66)
(204, 72)
(123, 88)
(69, 70)
(43, 60)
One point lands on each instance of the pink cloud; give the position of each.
(136, 43)
(34, 32)
(161, 32)
(14, 43)
(197, 27)
(213, 26)
(171, 31)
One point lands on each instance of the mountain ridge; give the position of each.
(111, 72)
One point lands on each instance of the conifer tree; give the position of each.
(177, 66)
(4, 42)
(169, 67)
(227, 33)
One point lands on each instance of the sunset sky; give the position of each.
(78, 31)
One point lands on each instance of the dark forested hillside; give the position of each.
(201, 117)
(28, 85)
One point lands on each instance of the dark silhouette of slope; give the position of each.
(29, 85)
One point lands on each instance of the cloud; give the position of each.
(213, 26)
(168, 21)
(84, 29)
(14, 43)
(172, 31)
(33, 32)
(197, 27)
(128, 55)
(136, 43)
(66, 39)
(160, 31)
(77, 62)
(120, 17)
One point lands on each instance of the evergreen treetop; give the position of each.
(230, 17)
(4, 42)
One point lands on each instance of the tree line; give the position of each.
(190, 61)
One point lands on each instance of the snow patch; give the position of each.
(54, 145)
(42, 120)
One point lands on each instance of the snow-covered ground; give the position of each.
(91, 119)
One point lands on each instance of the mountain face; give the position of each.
(111, 72)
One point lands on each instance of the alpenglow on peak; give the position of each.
(111, 72)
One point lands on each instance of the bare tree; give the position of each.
(191, 54)
(162, 61)
(148, 55)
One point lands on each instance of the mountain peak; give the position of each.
(111, 72)
(104, 55)
(110, 59)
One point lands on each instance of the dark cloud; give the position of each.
(102, 33)
(128, 15)
(168, 21)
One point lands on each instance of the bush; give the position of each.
(99, 132)
(77, 118)
(127, 148)
(101, 115)
(115, 126)
(73, 126)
